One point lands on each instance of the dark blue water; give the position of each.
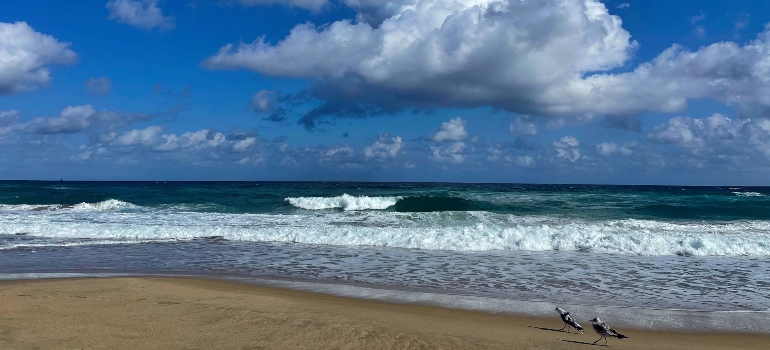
(578, 201)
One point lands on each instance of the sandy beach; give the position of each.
(186, 313)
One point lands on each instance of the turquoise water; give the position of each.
(650, 247)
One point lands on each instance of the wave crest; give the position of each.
(748, 194)
(345, 202)
(110, 204)
(106, 205)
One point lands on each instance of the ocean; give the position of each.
(660, 257)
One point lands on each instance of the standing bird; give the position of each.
(604, 330)
(568, 321)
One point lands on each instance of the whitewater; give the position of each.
(615, 247)
(122, 222)
(345, 201)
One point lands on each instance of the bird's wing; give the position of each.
(615, 334)
(571, 321)
(600, 327)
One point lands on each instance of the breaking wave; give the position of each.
(110, 204)
(415, 204)
(345, 202)
(453, 231)
(748, 194)
(107, 205)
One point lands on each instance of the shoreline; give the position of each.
(627, 317)
(199, 312)
(676, 320)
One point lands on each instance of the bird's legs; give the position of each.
(565, 326)
(600, 338)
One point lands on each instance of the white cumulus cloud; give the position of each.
(75, 119)
(723, 71)
(244, 144)
(609, 149)
(549, 57)
(689, 132)
(523, 161)
(385, 147)
(146, 137)
(26, 57)
(510, 54)
(139, 13)
(568, 147)
(522, 127)
(342, 150)
(153, 138)
(454, 153)
(453, 130)
(716, 141)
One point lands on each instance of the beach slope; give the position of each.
(188, 313)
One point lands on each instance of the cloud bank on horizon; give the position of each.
(452, 90)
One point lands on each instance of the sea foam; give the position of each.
(345, 202)
(453, 231)
(32, 246)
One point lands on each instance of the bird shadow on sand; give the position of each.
(548, 329)
(579, 342)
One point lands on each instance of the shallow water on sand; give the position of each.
(661, 282)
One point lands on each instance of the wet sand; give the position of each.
(189, 313)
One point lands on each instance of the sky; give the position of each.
(523, 91)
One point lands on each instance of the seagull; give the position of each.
(568, 321)
(604, 330)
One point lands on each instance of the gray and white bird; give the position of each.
(604, 330)
(568, 321)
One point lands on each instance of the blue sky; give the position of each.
(556, 91)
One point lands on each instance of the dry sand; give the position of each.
(185, 313)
